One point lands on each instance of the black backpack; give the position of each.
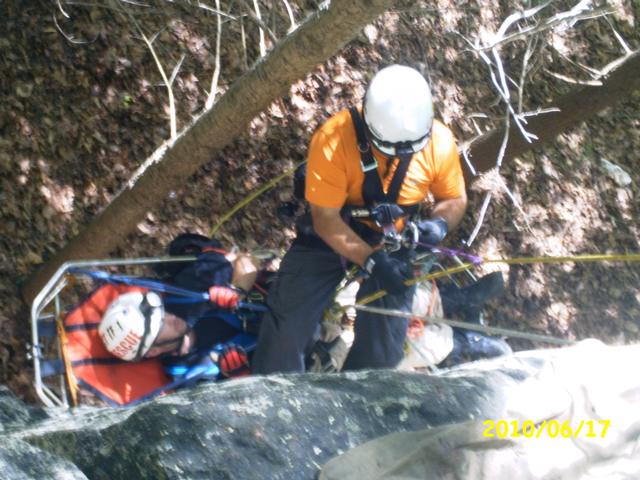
(187, 244)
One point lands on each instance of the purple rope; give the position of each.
(451, 252)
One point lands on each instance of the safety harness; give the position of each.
(380, 207)
(372, 189)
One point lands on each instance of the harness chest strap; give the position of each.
(372, 189)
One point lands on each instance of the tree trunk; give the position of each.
(321, 36)
(574, 108)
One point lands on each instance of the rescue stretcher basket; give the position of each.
(55, 380)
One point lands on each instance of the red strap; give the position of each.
(214, 249)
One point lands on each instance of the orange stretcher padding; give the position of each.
(121, 382)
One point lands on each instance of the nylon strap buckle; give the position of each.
(369, 167)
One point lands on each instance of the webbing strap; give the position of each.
(140, 282)
(372, 189)
(398, 178)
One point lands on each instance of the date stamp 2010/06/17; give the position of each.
(546, 428)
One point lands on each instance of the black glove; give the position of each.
(433, 230)
(390, 272)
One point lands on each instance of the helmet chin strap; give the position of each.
(146, 309)
(405, 148)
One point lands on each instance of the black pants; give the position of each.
(302, 290)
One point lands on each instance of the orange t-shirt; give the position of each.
(335, 176)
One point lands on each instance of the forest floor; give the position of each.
(83, 106)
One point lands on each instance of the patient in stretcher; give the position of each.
(144, 324)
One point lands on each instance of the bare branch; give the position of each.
(624, 45)
(505, 140)
(172, 106)
(539, 111)
(483, 212)
(607, 69)
(559, 76)
(137, 4)
(176, 69)
(70, 38)
(516, 204)
(167, 82)
(243, 37)
(548, 25)
(62, 9)
(516, 17)
(255, 17)
(216, 10)
(523, 74)
(503, 90)
(216, 70)
(465, 155)
(292, 20)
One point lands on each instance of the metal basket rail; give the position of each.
(56, 395)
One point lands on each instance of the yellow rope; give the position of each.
(611, 257)
(250, 198)
(604, 257)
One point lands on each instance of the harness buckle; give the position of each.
(386, 214)
(392, 241)
(371, 166)
(410, 236)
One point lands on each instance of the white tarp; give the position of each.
(589, 384)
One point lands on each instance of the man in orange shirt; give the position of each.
(390, 154)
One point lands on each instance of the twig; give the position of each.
(70, 38)
(505, 140)
(137, 4)
(172, 106)
(292, 21)
(62, 9)
(593, 72)
(176, 69)
(624, 45)
(243, 38)
(483, 211)
(263, 46)
(503, 90)
(476, 127)
(596, 74)
(263, 28)
(615, 64)
(216, 71)
(550, 24)
(465, 155)
(540, 111)
(517, 205)
(216, 10)
(559, 76)
(516, 17)
(523, 74)
(167, 82)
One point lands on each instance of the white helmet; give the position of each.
(131, 324)
(398, 110)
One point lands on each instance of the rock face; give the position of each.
(284, 427)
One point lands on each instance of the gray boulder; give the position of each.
(289, 426)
